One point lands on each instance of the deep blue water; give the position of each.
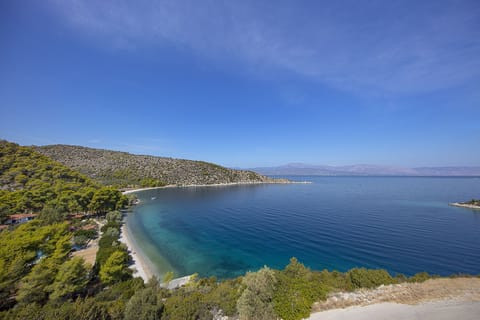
(402, 224)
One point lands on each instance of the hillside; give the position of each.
(30, 181)
(124, 169)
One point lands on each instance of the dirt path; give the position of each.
(89, 254)
(436, 310)
(463, 291)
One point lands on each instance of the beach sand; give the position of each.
(216, 185)
(140, 266)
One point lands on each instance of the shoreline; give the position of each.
(140, 266)
(464, 205)
(214, 185)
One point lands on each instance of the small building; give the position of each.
(20, 218)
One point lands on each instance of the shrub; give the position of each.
(114, 216)
(146, 304)
(298, 288)
(224, 295)
(80, 241)
(333, 280)
(115, 268)
(186, 305)
(419, 277)
(366, 278)
(90, 234)
(256, 301)
(71, 278)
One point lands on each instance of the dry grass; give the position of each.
(463, 289)
(89, 253)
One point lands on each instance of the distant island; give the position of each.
(302, 169)
(472, 204)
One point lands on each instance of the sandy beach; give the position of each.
(214, 185)
(140, 266)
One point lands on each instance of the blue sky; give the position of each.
(246, 83)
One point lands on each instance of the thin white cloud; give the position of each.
(382, 47)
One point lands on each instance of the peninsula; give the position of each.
(472, 204)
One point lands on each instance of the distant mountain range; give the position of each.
(302, 169)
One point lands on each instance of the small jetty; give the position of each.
(177, 283)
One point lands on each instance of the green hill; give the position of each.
(30, 181)
(128, 170)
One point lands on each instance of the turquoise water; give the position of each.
(402, 224)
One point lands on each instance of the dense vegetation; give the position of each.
(31, 182)
(122, 169)
(473, 202)
(41, 279)
(52, 290)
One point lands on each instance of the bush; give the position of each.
(112, 232)
(72, 277)
(80, 241)
(224, 296)
(146, 304)
(115, 268)
(114, 216)
(419, 277)
(366, 278)
(111, 224)
(333, 280)
(256, 301)
(298, 288)
(186, 305)
(121, 291)
(90, 234)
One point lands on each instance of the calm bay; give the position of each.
(402, 224)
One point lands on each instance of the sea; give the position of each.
(401, 224)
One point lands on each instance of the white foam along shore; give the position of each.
(140, 266)
(215, 185)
